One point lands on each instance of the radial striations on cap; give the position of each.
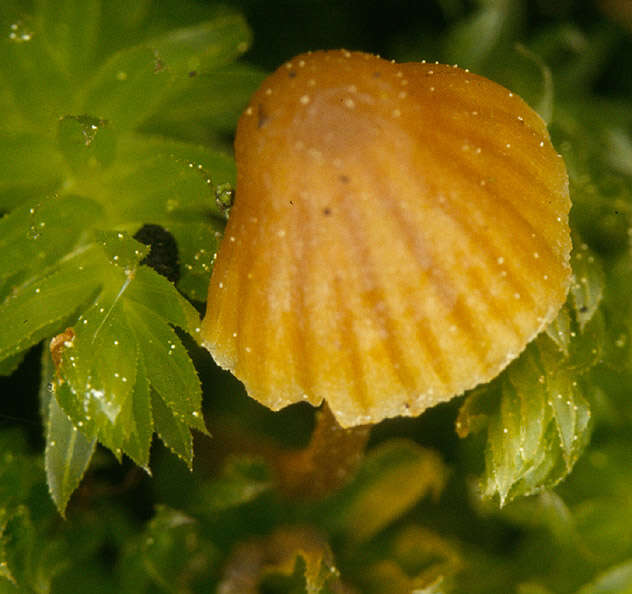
(399, 234)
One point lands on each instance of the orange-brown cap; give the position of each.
(399, 234)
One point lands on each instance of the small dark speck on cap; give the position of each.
(344, 179)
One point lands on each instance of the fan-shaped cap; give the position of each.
(399, 234)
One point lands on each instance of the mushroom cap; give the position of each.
(399, 234)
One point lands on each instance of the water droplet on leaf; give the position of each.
(19, 32)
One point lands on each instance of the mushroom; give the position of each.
(399, 235)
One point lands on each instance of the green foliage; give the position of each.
(616, 579)
(172, 553)
(68, 454)
(81, 171)
(25, 561)
(178, 551)
(117, 115)
(386, 476)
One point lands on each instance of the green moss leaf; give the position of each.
(155, 292)
(579, 330)
(212, 101)
(203, 46)
(138, 414)
(27, 561)
(71, 31)
(135, 81)
(578, 53)
(242, 480)
(173, 432)
(68, 452)
(197, 245)
(619, 145)
(101, 389)
(122, 251)
(172, 554)
(588, 283)
(560, 330)
(36, 236)
(489, 29)
(128, 88)
(28, 162)
(160, 190)
(32, 558)
(615, 580)
(36, 86)
(86, 142)
(171, 372)
(99, 363)
(130, 311)
(68, 455)
(138, 150)
(540, 427)
(394, 476)
(19, 531)
(26, 321)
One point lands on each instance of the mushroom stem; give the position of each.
(326, 464)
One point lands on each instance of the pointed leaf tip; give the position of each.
(67, 455)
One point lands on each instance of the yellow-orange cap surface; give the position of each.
(399, 234)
